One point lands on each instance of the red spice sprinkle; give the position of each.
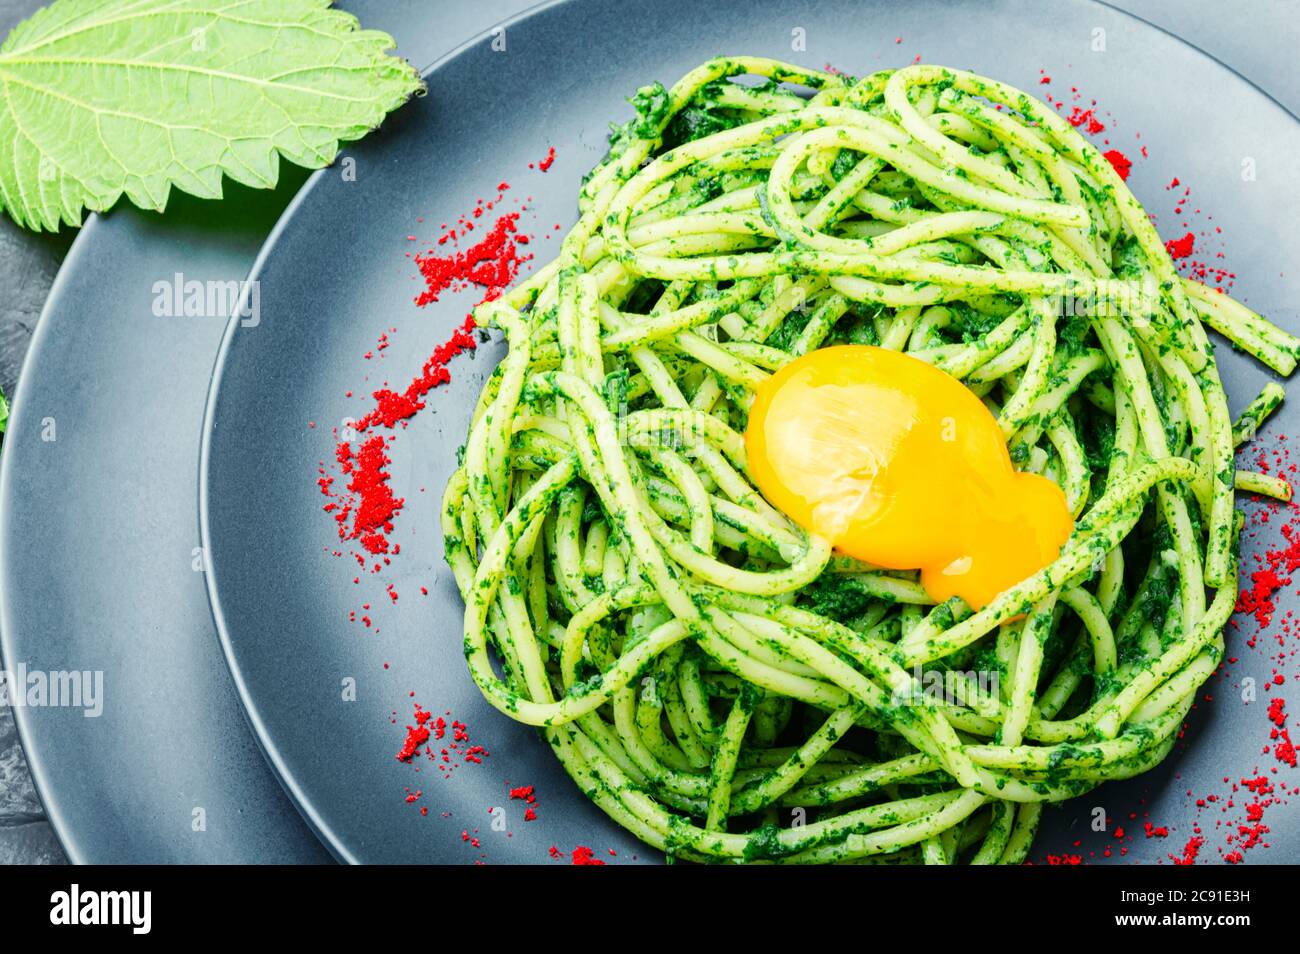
(392, 407)
(546, 163)
(1123, 165)
(1267, 580)
(528, 795)
(491, 263)
(582, 855)
(428, 727)
(1275, 713)
(366, 508)
(416, 736)
(1190, 851)
(1283, 748)
(1181, 248)
(369, 503)
(1086, 118)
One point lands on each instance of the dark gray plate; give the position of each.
(98, 528)
(333, 275)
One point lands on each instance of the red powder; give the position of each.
(391, 407)
(491, 263)
(548, 160)
(1181, 248)
(1123, 165)
(365, 509)
(1087, 119)
(372, 504)
(1283, 748)
(428, 728)
(1271, 577)
(1242, 818)
(416, 736)
(582, 855)
(1276, 715)
(1190, 851)
(1258, 600)
(528, 796)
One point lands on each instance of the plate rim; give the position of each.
(17, 415)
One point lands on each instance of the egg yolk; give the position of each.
(900, 465)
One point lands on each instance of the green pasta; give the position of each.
(720, 681)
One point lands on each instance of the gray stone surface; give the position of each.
(18, 801)
(31, 843)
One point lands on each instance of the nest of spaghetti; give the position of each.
(721, 682)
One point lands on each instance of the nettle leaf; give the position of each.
(102, 97)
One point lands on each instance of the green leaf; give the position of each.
(102, 97)
(4, 413)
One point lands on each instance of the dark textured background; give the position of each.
(1257, 38)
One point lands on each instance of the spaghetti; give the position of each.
(715, 678)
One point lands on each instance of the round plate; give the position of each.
(335, 274)
(98, 529)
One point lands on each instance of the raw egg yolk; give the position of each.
(900, 465)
